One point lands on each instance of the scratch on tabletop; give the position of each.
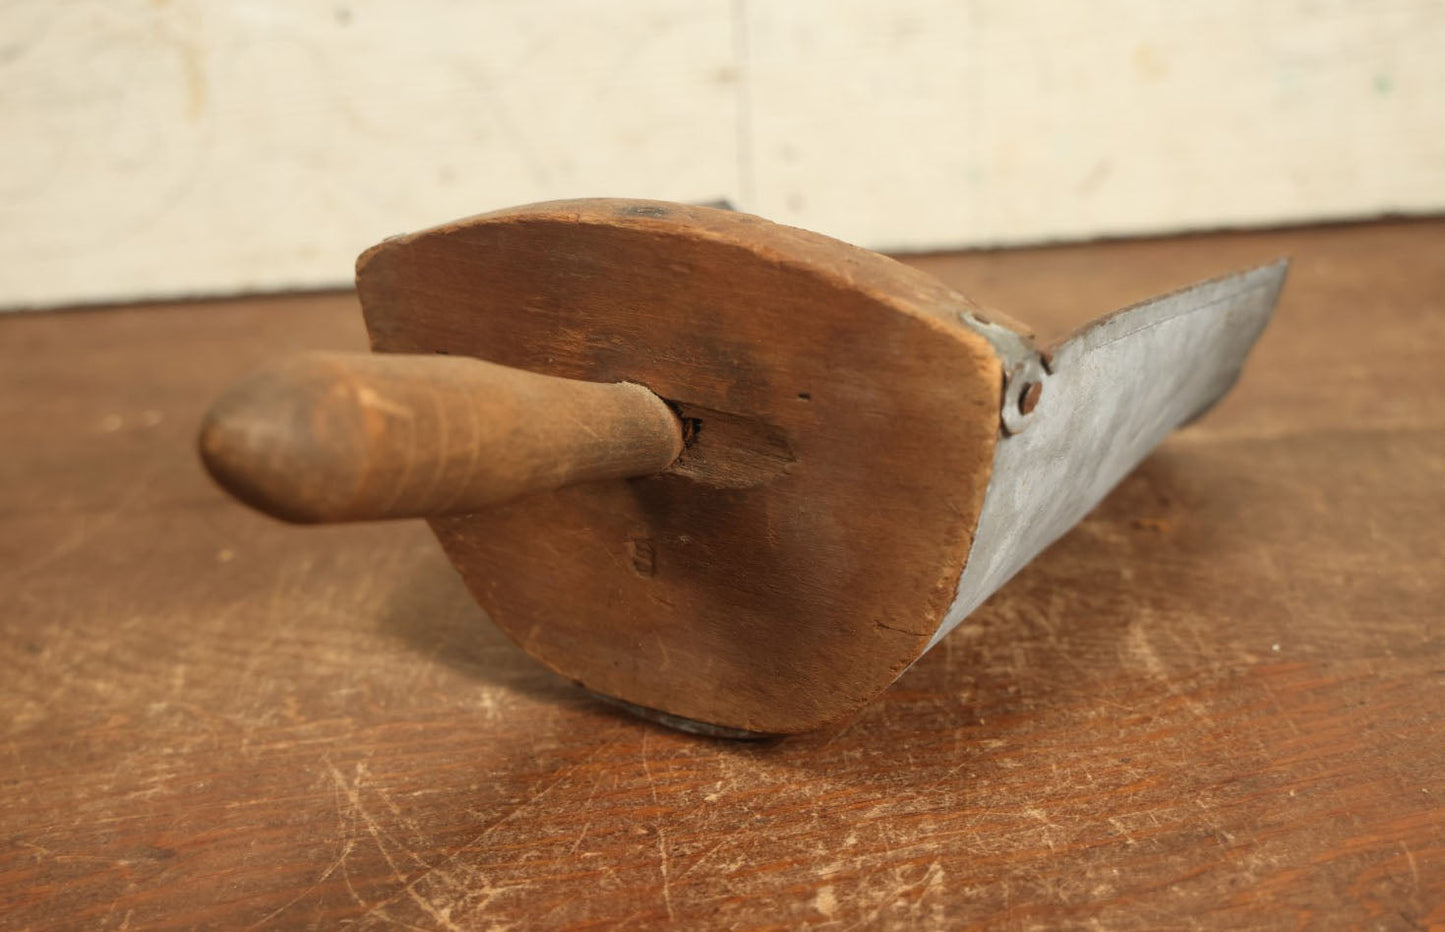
(647, 770)
(1414, 868)
(345, 852)
(666, 882)
(438, 868)
(580, 836)
(725, 840)
(352, 792)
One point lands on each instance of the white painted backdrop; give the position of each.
(180, 147)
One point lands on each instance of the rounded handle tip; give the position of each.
(288, 440)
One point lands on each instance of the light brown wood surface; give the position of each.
(777, 599)
(327, 437)
(1217, 703)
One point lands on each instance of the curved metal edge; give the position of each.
(679, 723)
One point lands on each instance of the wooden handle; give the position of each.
(354, 436)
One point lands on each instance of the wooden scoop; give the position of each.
(731, 474)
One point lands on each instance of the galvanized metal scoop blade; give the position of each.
(1110, 393)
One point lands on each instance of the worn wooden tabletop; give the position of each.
(1216, 703)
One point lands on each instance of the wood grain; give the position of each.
(325, 437)
(1216, 704)
(767, 600)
